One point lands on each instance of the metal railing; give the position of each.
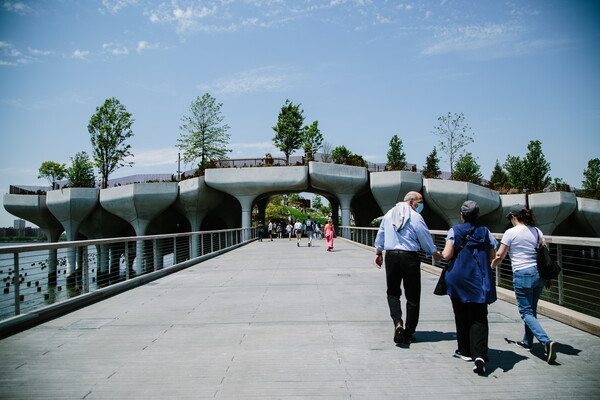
(577, 287)
(38, 275)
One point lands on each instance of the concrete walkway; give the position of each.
(274, 321)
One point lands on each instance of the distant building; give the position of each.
(19, 224)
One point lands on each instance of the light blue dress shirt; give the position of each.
(414, 236)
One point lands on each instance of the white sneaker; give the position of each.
(479, 367)
(458, 355)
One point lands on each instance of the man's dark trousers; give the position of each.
(404, 268)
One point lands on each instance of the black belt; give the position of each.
(402, 252)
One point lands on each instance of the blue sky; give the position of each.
(366, 70)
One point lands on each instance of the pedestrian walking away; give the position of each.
(261, 230)
(329, 235)
(470, 284)
(401, 234)
(520, 243)
(298, 232)
(309, 227)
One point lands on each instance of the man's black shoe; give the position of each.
(399, 335)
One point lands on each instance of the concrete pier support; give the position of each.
(343, 181)
(390, 187)
(196, 199)
(33, 208)
(71, 206)
(550, 209)
(246, 184)
(446, 197)
(139, 204)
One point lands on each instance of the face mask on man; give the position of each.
(419, 207)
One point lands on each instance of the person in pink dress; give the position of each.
(329, 234)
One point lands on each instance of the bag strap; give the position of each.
(537, 232)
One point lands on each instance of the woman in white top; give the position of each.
(520, 243)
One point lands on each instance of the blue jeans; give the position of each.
(528, 288)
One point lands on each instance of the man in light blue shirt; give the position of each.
(402, 233)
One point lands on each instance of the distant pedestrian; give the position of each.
(271, 228)
(279, 230)
(309, 227)
(520, 243)
(470, 248)
(329, 235)
(298, 232)
(261, 230)
(288, 229)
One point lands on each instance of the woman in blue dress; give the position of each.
(470, 281)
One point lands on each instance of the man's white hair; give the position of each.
(411, 196)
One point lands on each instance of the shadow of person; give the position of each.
(502, 359)
(434, 336)
(539, 351)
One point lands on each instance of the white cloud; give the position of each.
(187, 19)
(17, 7)
(114, 6)
(273, 78)
(143, 45)
(472, 37)
(80, 54)
(115, 49)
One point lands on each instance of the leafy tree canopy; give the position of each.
(536, 167)
(396, 157)
(288, 131)
(109, 128)
(312, 140)
(454, 136)
(81, 171)
(204, 137)
(52, 171)
(467, 169)
(432, 165)
(591, 181)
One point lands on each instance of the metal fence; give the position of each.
(576, 288)
(38, 275)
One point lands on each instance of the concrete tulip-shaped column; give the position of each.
(446, 197)
(71, 206)
(139, 204)
(496, 221)
(343, 181)
(390, 187)
(33, 208)
(246, 184)
(588, 214)
(195, 200)
(102, 224)
(550, 209)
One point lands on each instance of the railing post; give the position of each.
(126, 261)
(85, 269)
(155, 254)
(175, 261)
(17, 285)
(561, 281)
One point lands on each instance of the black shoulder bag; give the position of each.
(547, 267)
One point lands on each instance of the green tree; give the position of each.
(312, 140)
(288, 137)
(432, 165)
(317, 203)
(52, 171)
(204, 136)
(341, 155)
(81, 171)
(109, 128)
(454, 136)
(396, 157)
(591, 181)
(467, 169)
(516, 171)
(536, 168)
(499, 176)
